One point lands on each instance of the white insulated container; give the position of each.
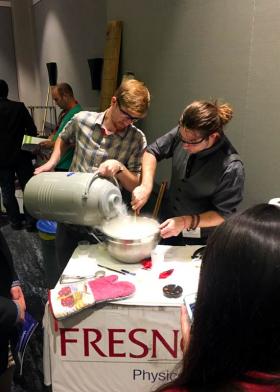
(75, 198)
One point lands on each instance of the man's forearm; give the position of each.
(131, 180)
(128, 179)
(210, 219)
(59, 150)
(206, 219)
(174, 226)
(149, 165)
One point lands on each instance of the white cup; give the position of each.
(157, 256)
(83, 247)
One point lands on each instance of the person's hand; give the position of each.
(47, 144)
(47, 167)
(173, 226)
(185, 328)
(21, 311)
(140, 196)
(18, 298)
(17, 295)
(110, 168)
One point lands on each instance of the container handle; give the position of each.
(116, 182)
(86, 192)
(95, 175)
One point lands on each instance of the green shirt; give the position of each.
(66, 159)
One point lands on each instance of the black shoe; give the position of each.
(16, 226)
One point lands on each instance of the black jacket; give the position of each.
(15, 122)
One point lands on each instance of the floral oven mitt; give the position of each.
(68, 299)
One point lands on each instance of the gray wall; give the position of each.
(27, 65)
(261, 119)
(7, 51)
(68, 33)
(183, 50)
(189, 49)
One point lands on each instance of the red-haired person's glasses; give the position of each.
(127, 115)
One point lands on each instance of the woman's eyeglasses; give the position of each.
(192, 142)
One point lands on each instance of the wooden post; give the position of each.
(110, 63)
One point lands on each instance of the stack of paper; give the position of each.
(29, 143)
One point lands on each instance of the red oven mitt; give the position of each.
(109, 288)
(68, 299)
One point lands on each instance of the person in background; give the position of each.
(108, 142)
(12, 310)
(63, 96)
(233, 343)
(207, 174)
(15, 122)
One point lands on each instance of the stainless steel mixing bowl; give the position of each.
(128, 244)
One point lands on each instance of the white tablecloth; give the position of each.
(119, 347)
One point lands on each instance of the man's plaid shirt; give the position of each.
(92, 146)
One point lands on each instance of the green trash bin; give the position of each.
(47, 232)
